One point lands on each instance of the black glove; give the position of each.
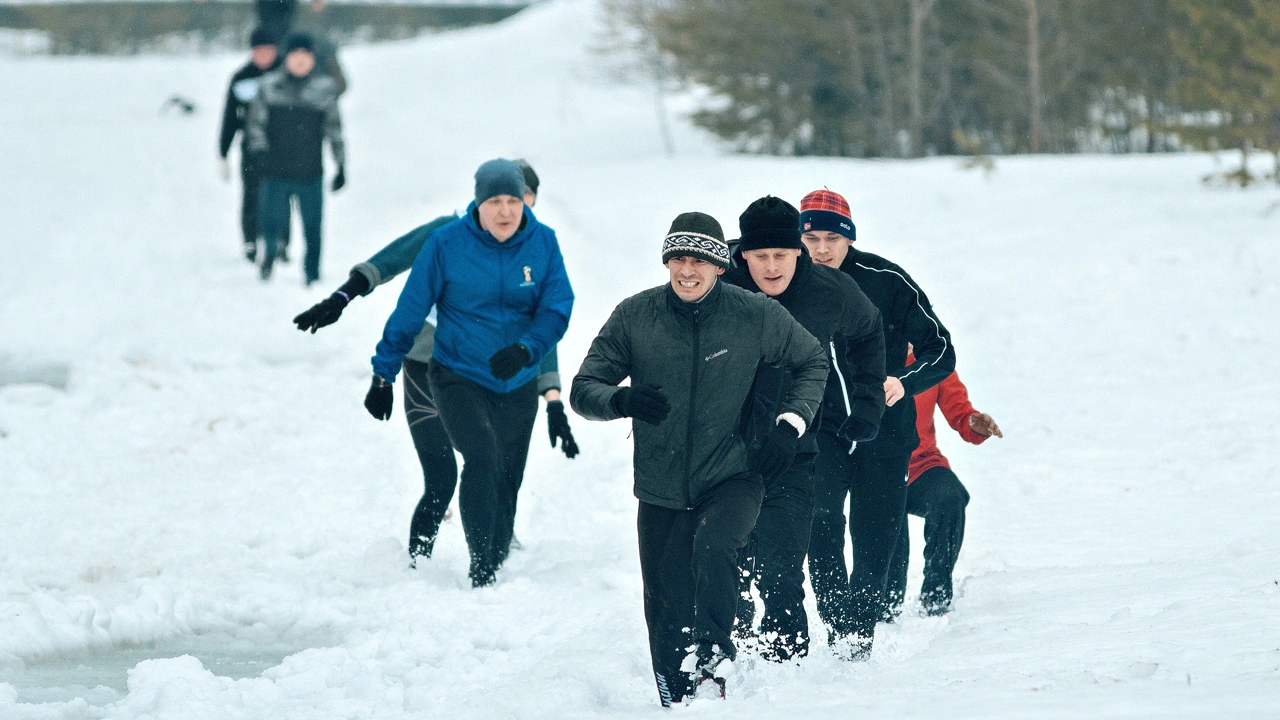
(645, 403)
(558, 427)
(325, 312)
(777, 450)
(340, 179)
(507, 362)
(380, 399)
(857, 430)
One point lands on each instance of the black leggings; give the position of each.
(435, 453)
(492, 432)
(940, 498)
(875, 481)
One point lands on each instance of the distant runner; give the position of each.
(293, 114)
(241, 91)
(279, 18)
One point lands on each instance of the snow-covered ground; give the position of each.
(201, 520)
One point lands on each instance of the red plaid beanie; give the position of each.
(825, 210)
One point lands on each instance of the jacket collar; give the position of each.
(695, 311)
(471, 218)
(804, 270)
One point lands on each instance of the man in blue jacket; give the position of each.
(503, 300)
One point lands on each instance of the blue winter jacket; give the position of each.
(487, 294)
(397, 257)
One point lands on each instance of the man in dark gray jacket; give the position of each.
(691, 349)
(294, 112)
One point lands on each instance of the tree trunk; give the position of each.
(659, 72)
(919, 11)
(884, 69)
(1033, 71)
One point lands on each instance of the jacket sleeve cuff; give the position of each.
(548, 381)
(370, 273)
(794, 421)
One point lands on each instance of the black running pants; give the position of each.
(689, 566)
(875, 482)
(492, 432)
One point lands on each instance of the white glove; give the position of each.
(224, 170)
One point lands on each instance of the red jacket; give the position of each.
(953, 397)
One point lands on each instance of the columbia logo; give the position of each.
(716, 354)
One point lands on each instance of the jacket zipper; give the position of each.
(693, 400)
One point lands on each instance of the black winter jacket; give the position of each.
(704, 357)
(830, 305)
(908, 317)
(241, 91)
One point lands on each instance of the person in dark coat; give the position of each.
(871, 474)
(240, 92)
(771, 259)
(691, 348)
(293, 114)
(279, 19)
(937, 495)
(502, 297)
(430, 440)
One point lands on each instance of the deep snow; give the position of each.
(183, 473)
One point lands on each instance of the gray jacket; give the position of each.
(288, 122)
(704, 357)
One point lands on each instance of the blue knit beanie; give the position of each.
(499, 177)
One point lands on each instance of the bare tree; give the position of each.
(631, 31)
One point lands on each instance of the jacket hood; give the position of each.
(471, 219)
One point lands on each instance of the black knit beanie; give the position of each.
(530, 177)
(697, 235)
(300, 41)
(769, 222)
(261, 36)
(499, 177)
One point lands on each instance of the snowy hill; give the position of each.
(207, 489)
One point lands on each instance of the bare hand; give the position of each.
(893, 391)
(984, 425)
(224, 170)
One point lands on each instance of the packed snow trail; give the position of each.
(207, 482)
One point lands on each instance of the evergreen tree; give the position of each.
(1229, 51)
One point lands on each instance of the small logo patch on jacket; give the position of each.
(716, 354)
(528, 277)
